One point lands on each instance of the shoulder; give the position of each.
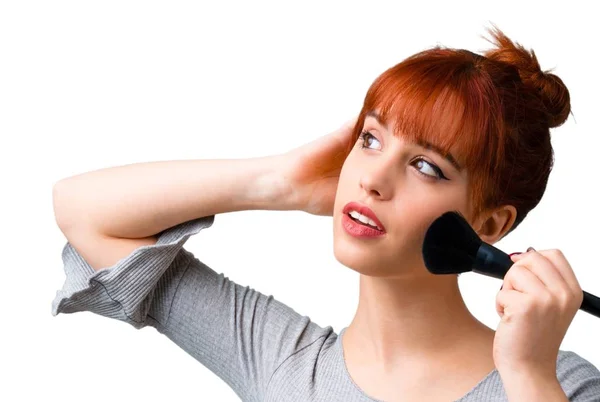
(570, 363)
(579, 378)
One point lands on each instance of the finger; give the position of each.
(345, 131)
(349, 124)
(543, 268)
(564, 268)
(521, 279)
(352, 121)
(507, 302)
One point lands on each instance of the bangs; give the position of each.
(438, 98)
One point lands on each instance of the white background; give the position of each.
(86, 85)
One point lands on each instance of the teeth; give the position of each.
(364, 219)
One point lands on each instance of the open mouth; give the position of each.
(362, 223)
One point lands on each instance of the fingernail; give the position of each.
(530, 249)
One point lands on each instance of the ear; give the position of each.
(495, 224)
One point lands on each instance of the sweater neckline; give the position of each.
(340, 348)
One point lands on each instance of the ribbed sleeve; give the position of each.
(126, 291)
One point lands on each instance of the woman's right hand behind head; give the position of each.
(312, 170)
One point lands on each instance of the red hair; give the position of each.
(494, 110)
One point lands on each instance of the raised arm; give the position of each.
(134, 220)
(106, 214)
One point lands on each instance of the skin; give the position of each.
(410, 327)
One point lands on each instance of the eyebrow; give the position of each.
(421, 143)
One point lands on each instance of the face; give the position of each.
(407, 186)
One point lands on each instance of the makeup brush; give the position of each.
(451, 246)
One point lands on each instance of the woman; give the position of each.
(445, 129)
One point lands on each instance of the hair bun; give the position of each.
(554, 95)
(552, 91)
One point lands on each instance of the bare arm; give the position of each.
(107, 213)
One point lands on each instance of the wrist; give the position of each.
(530, 385)
(270, 190)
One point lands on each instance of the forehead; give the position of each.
(375, 115)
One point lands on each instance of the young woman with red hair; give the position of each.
(445, 129)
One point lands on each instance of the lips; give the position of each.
(363, 210)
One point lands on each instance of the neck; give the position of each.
(413, 320)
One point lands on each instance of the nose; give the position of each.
(381, 177)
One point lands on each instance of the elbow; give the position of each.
(60, 203)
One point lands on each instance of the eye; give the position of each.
(363, 136)
(420, 162)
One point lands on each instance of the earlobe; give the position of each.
(484, 235)
(485, 238)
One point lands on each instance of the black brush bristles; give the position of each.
(450, 245)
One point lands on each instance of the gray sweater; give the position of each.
(263, 349)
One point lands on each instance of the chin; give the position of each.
(361, 260)
(361, 263)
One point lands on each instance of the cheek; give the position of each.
(419, 205)
(415, 213)
(345, 179)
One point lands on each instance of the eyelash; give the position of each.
(440, 175)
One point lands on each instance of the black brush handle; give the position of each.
(494, 262)
(491, 261)
(590, 304)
